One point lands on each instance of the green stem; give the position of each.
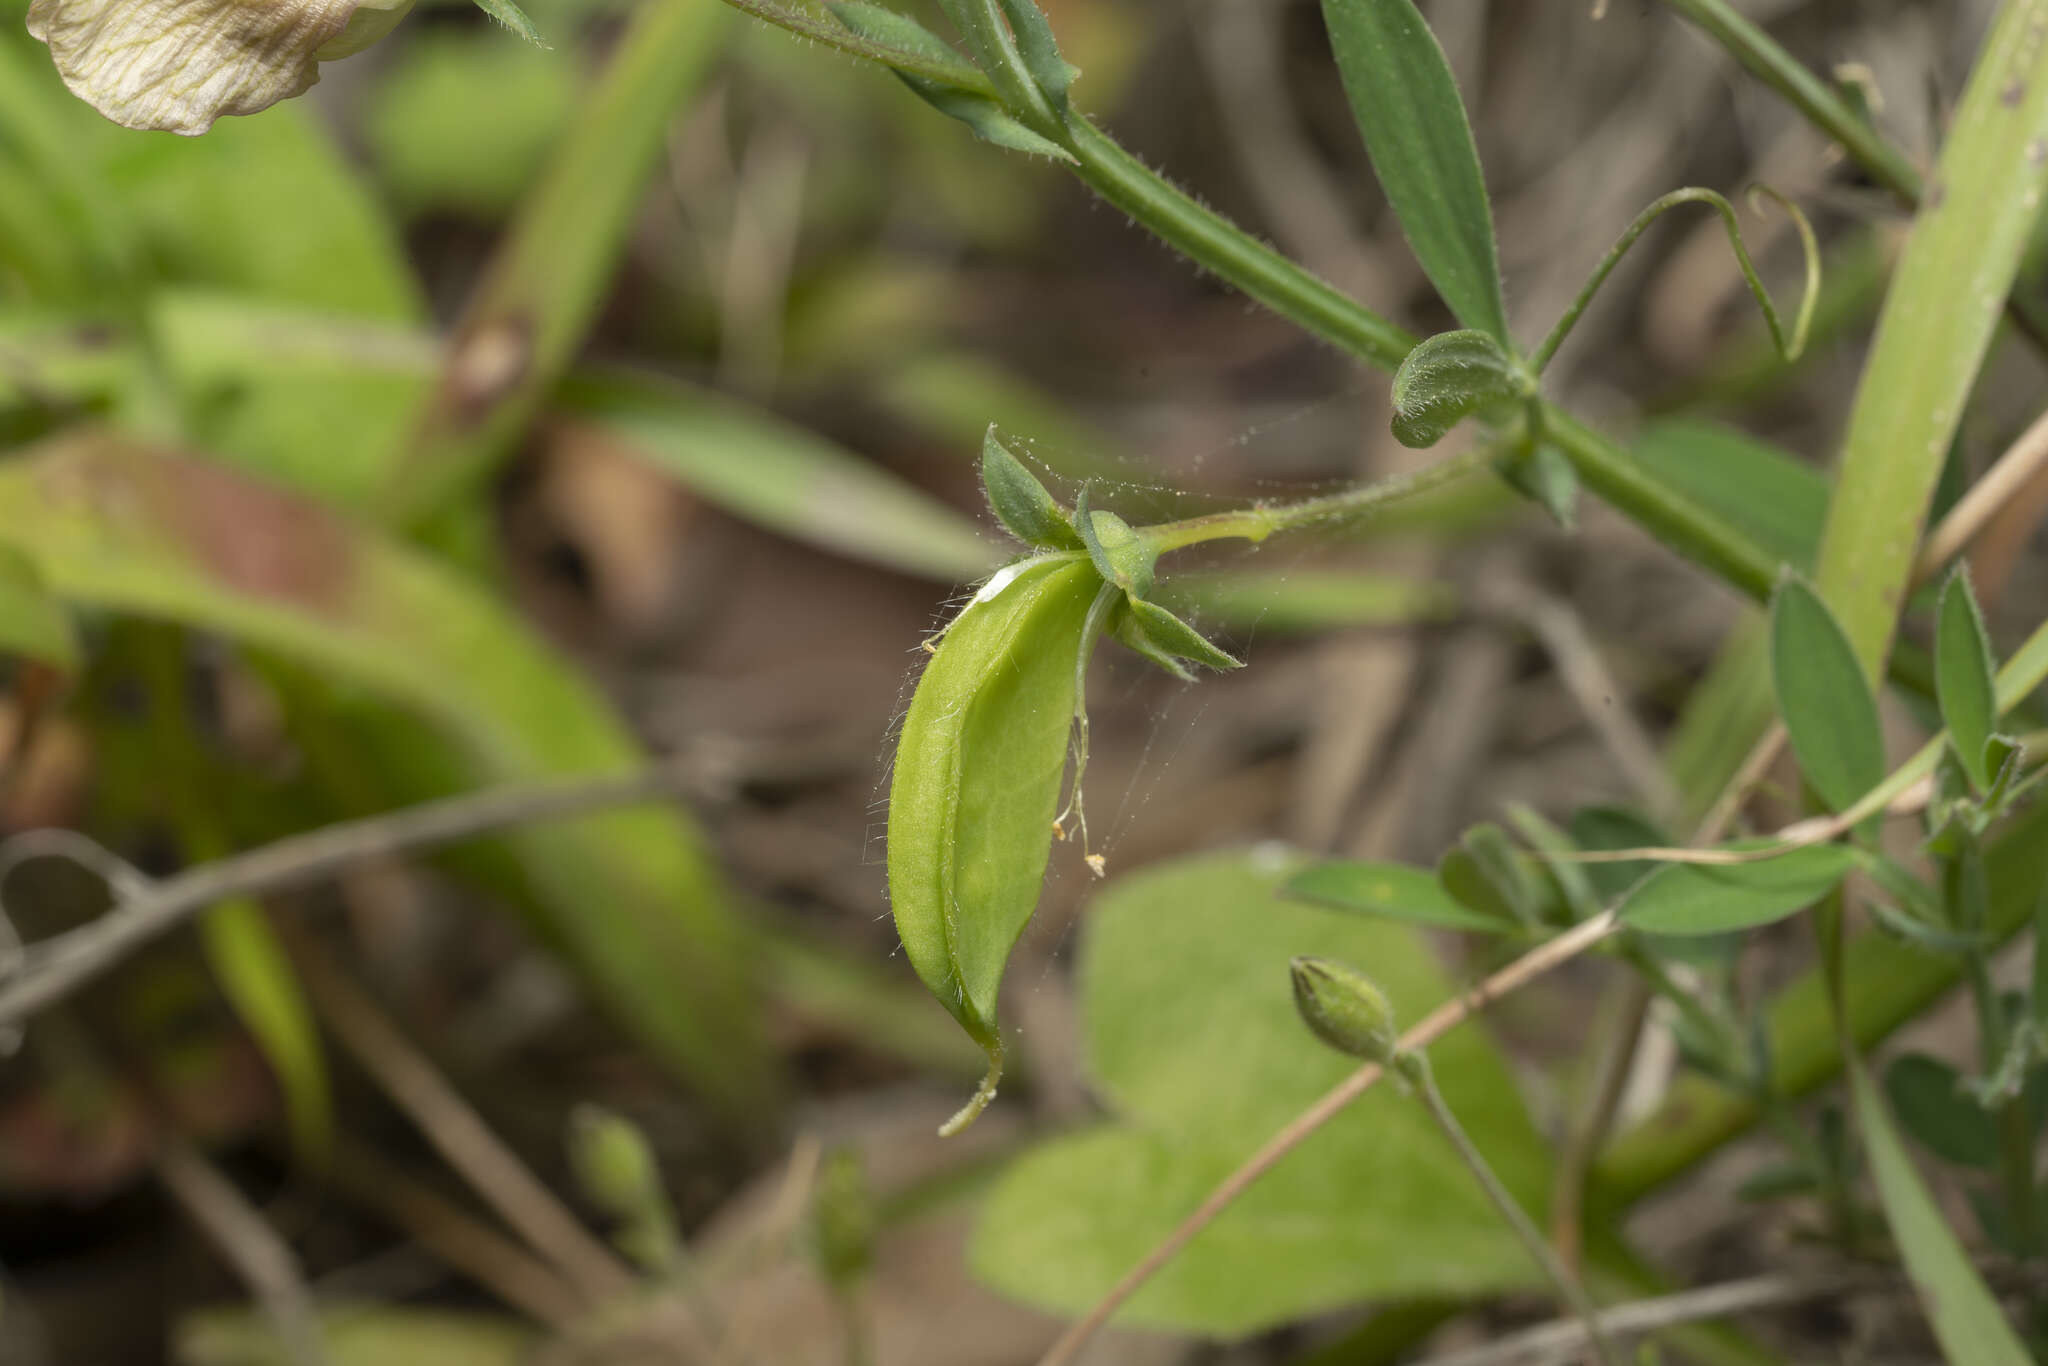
(1216, 244)
(1261, 520)
(1414, 1067)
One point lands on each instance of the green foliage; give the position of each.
(1408, 109)
(1928, 1096)
(629, 896)
(1962, 675)
(33, 623)
(1695, 899)
(1777, 499)
(1022, 504)
(1966, 1320)
(1446, 379)
(1193, 1041)
(256, 976)
(1823, 696)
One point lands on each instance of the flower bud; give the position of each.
(177, 65)
(613, 1162)
(1345, 1009)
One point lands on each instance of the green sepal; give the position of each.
(1121, 556)
(1132, 637)
(1022, 504)
(1447, 378)
(1172, 636)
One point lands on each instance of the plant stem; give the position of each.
(1415, 1068)
(1216, 244)
(1260, 520)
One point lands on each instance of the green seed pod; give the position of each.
(977, 785)
(1344, 1009)
(1020, 502)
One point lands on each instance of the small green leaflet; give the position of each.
(1962, 678)
(1823, 697)
(1393, 890)
(1697, 899)
(1446, 379)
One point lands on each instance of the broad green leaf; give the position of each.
(1776, 498)
(1407, 107)
(1393, 890)
(1022, 504)
(1927, 1095)
(1447, 378)
(1962, 678)
(33, 623)
(781, 476)
(1696, 899)
(1307, 600)
(1823, 697)
(1967, 1320)
(1192, 1039)
(318, 400)
(257, 977)
(977, 781)
(629, 896)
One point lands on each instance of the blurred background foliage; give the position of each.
(500, 413)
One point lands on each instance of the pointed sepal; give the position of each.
(1022, 504)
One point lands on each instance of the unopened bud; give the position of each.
(613, 1162)
(1345, 1009)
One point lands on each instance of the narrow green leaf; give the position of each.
(1407, 107)
(1175, 637)
(1446, 379)
(1039, 49)
(1576, 891)
(1966, 1319)
(1927, 1095)
(1393, 890)
(1022, 504)
(987, 117)
(256, 975)
(1823, 697)
(1774, 496)
(33, 623)
(781, 476)
(1697, 899)
(513, 18)
(1962, 678)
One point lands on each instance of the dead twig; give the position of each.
(457, 1132)
(49, 971)
(2014, 471)
(250, 1246)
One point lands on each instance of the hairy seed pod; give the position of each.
(977, 784)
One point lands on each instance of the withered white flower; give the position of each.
(178, 65)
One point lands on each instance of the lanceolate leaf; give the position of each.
(1693, 899)
(1966, 1319)
(1393, 890)
(1962, 678)
(977, 784)
(1407, 106)
(112, 524)
(1446, 379)
(1823, 697)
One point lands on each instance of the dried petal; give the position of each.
(177, 65)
